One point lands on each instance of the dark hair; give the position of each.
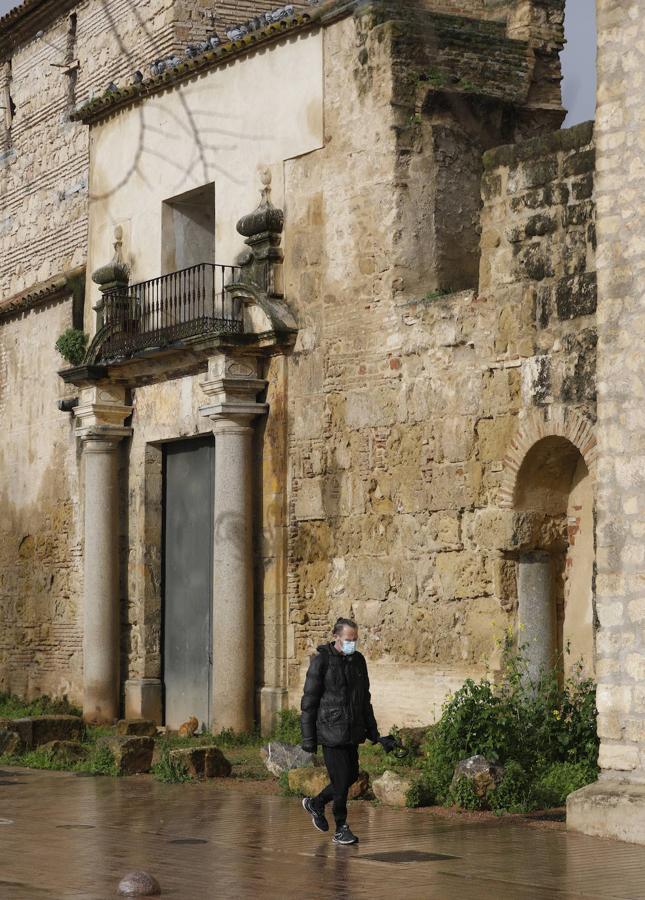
(344, 623)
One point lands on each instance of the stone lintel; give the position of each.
(610, 808)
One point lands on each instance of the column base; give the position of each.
(143, 699)
(271, 701)
(612, 808)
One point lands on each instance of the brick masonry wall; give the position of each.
(620, 194)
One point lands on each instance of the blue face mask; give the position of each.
(349, 647)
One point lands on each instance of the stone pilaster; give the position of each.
(615, 805)
(232, 388)
(100, 427)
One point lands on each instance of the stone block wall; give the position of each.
(405, 400)
(538, 257)
(620, 191)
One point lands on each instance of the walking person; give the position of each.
(337, 714)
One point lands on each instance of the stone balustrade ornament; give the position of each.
(263, 232)
(111, 277)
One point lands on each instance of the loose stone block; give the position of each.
(65, 751)
(482, 774)
(206, 762)
(10, 742)
(391, 789)
(309, 782)
(280, 757)
(132, 755)
(137, 727)
(37, 730)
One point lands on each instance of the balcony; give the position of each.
(157, 314)
(171, 326)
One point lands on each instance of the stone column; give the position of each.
(100, 417)
(232, 387)
(536, 611)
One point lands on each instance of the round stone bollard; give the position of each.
(139, 884)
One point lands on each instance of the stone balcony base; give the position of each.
(611, 808)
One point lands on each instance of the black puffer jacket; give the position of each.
(336, 703)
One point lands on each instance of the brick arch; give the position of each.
(534, 427)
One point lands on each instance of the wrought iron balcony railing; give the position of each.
(157, 313)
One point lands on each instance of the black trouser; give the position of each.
(342, 766)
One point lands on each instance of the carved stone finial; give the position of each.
(266, 218)
(265, 178)
(117, 271)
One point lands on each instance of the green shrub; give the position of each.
(463, 794)
(99, 762)
(419, 794)
(513, 794)
(285, 789)
(170, 771)
(12, 707)
(287, 728)
(72, 345)
(561, 779)
(230, 738)
(532, 724)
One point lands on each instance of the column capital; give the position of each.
(232, 387)
(101, 414)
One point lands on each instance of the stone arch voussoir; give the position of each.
(539, 424)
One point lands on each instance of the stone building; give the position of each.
(374, 393)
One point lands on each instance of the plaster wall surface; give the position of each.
(218, 128)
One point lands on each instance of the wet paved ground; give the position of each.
(63, 836)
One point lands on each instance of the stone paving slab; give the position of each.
(69, 837)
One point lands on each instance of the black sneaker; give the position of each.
(344, 836)
(317, 817)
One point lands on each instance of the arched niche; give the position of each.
(550, 472)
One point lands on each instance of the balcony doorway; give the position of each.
(188, 229)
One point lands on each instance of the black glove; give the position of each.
(388, 743)
(309, 746)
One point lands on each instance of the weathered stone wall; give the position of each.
(44, 169)
(538, 256)
(404, 402)
(620, 192)
(397, 412)
(40, 534)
